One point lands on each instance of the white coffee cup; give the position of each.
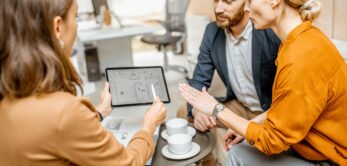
(180, 143)
(176, 126)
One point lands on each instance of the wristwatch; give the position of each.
(218, 108)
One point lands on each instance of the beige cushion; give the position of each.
(341, 46)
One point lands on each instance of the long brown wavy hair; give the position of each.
(32, 60)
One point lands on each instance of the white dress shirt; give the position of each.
(239, 62)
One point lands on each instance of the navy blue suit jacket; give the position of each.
(212, 57)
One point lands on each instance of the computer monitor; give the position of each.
(97, 4)
(133, 85)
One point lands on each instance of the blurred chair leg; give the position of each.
(166, 60)
(180, 69)
(176, 68)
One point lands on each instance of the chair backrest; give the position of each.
(175, 15)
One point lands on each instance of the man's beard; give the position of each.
(231, 21)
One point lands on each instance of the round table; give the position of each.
(206, 140)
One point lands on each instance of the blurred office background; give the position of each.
(99, 47)
(332, 21)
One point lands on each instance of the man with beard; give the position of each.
(244, 58)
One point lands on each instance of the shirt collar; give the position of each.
(291, 37)
(298, 30)
(245, 34)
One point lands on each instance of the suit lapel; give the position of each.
(220, 52)
(219, 48)
(257, 47)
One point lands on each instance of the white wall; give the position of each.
(130, 8)
(85, 6)
(127, 8)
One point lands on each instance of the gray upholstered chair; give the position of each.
(175, 31)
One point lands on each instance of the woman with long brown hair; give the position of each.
(42, 121)
(306, 123)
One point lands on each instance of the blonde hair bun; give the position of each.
(308, 9)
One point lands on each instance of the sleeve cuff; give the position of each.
(100, 116)
(252, 133)
(147, 137)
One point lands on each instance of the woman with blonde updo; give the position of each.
(306, 124)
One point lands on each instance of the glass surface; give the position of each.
(134, 86)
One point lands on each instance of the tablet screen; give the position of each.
(133, 85)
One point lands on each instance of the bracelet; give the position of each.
(101, 118)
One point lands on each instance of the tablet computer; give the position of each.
(131, 86)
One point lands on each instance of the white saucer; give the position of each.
(191, 131)
(168, 154)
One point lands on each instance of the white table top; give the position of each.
(90, 31)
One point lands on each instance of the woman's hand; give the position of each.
(202, 101)
(104, 106)
(231, 138)
(154, 116)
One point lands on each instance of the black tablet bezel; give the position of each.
(138, 67)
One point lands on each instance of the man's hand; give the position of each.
(203, 122)
(231, 138)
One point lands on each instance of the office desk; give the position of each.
(113, 43)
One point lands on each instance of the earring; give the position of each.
(61, 43)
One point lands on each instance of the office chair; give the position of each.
(175, 32)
